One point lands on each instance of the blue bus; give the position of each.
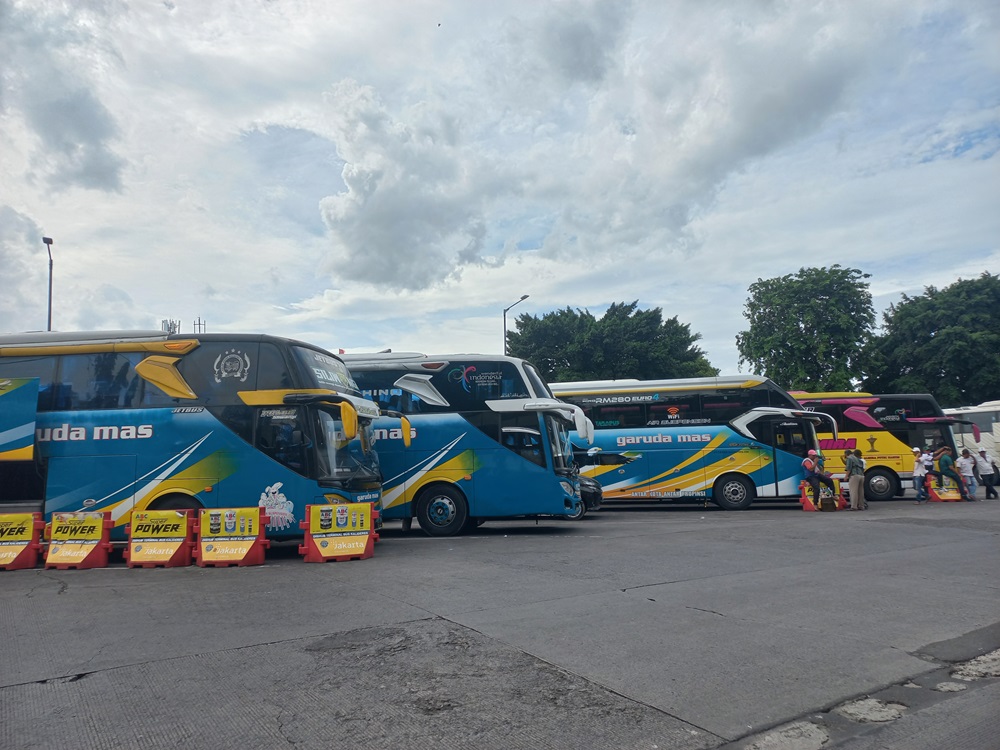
(132, 420)
(489, 441)
(727, 439)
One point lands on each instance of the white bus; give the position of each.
(985, 417)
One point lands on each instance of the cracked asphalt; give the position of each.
(638, 627)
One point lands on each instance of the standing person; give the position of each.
(812, 466)
(967, 468)
(856, 480)
(920, 476)
(946, 464)
(987, 470)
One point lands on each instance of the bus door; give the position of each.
(931, 432)
(22, 475)
(780, 468)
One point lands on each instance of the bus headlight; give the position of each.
(569, 489)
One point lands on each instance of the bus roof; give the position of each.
(985, 406)
(53, 338)
(419, 356)
(631, 386)
(40, 343)
(829, 394)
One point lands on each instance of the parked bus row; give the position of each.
(135, 420)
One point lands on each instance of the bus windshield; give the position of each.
(562, 444)
(326, 371)
(340, 460)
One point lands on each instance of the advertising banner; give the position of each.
(78, 540)
(231, 536)
(159, 537)
(342, 531)
(19, 543)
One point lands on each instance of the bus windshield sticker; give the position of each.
(469, 376)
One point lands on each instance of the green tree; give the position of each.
(808, 330)
(625, 343)
(945, 342)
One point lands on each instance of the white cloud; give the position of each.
(366, 178)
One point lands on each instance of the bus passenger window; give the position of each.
(527, 444)
(280, 435)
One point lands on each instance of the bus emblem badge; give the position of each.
(232, 364)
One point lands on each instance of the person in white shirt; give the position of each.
(966, 466)
(919, 476)
(985, 464)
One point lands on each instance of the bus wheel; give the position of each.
(880, 484)
(175, 502)
(733, 492)
(442, 511)
(579, 511)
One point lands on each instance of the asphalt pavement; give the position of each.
(649, 626)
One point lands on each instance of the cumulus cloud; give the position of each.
(315, 168)
(49, 83)
(23, 260)
(615, 122)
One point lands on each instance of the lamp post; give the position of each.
(48, 246)
(523, 298)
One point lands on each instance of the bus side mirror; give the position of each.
(405, 425)
(349, 417)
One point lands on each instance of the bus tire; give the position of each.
(880, 484)
(175, 501)
(579, 511)
(733, 492)
(442, 510)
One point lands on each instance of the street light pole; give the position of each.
(48, 246)
(523, 298)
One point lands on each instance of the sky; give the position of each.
(378, 174)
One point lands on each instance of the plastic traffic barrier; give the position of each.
(338, 532)
(804, 500)
(947, 494)
(805, 490)
(160, 538)
(231, 536)
(78, 540)
(20, 540)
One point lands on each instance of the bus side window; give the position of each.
(621, 416)
(281, 436)
(42, 368)
(218, 370)
(272, 372)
